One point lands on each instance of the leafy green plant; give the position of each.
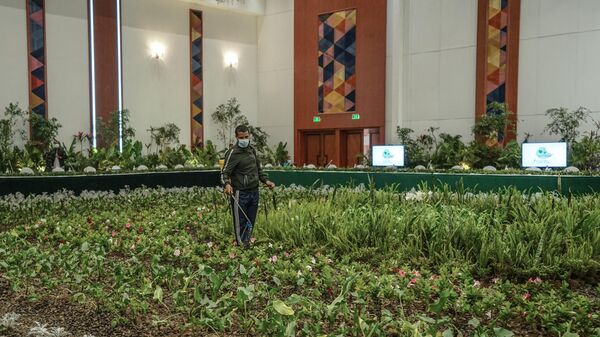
(12, 128)
(510, 155)
(493, 125)
(227, 117)
(43, 131)
(165, 136)
(117, 123)
(419, 150)
(207, 156)
(259, 137)
(489, 132)
(277, 156)
(174, 156)
(565, 123)
(448, 152)
(78, 152)
(585, 153)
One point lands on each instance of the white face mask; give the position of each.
(243, 143)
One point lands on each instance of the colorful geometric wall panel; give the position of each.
(337, 61)
(496, 51)
(196, 79)
(37, 57)
(498, 58)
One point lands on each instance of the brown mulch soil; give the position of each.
(77, 319)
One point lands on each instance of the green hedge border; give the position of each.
(402, 181)
(106, 182)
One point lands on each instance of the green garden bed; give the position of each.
(326, 262)
(401, 181)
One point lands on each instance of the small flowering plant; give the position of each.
(380, 265)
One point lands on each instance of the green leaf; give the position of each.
(474, 322)
(245, 294)
(79, 298)
(242, 269)
(363, 325)
(448, 333)
(438, 305)
(282, 308)
(290, 330)
(501, 332)
(570, 334)
(85, 246)
(427, 319)
(158, 294)
(197, 295)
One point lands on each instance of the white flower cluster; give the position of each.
(18, 200)
(294, 187)
(40, 330)
(360, 188)
(9, 320)
(539, 196)
(413, 195)
(322, 190)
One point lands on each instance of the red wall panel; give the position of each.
(370, 70)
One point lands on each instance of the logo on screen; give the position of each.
(387, 154)
(543, 153)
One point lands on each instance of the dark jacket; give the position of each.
(242, 169)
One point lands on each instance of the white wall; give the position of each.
(253, 7)
(157, 91)
(276, 72)
(396, 67)
(13, 65)
(68, 66)
(430, 64)
(558, 66)
(440, 61)
(559, 48)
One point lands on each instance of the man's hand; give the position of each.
(270, 184)
(228, 189)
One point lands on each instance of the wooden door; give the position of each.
(354, 147)
(313, 149)
(329, 148)
(319, 148)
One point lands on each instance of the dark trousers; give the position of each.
(244, 206)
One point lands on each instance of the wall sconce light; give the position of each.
(157, 51)
(231, 2)
(231, 60)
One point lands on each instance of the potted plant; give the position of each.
(491, 127)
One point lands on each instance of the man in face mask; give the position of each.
(241, 177)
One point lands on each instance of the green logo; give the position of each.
(543, 153)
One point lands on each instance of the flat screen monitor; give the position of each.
(544, 155)
(387, 155)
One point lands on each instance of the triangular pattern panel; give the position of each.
(336, 61)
